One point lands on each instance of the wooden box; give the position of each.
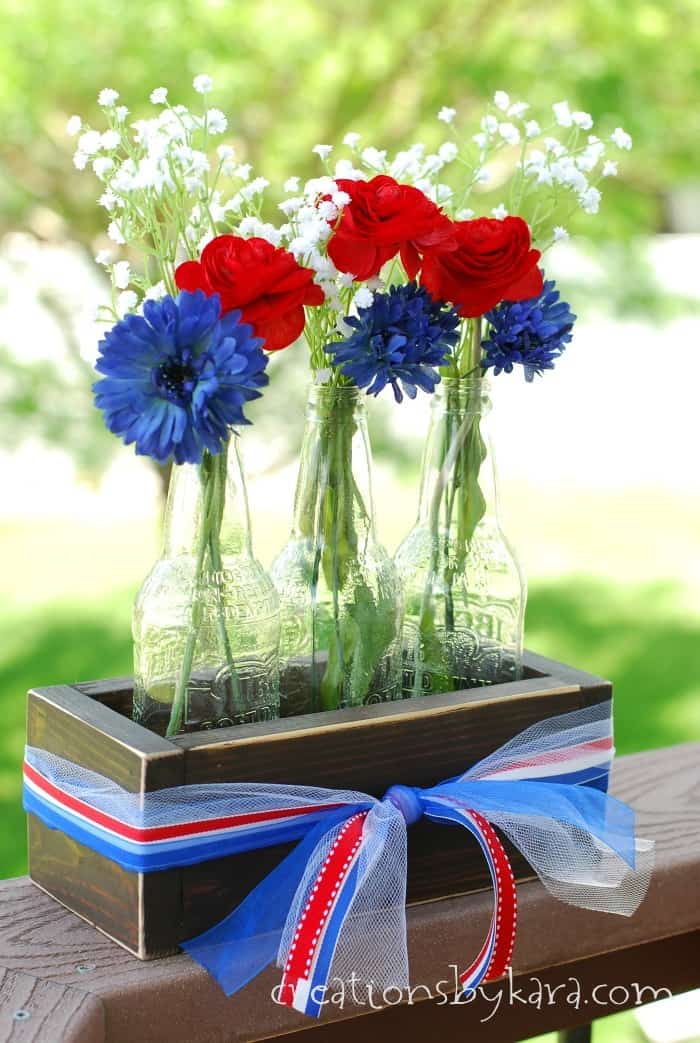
(415, 742)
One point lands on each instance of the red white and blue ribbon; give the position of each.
(335, 907)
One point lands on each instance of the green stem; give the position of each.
(218, 479)
(177, 710)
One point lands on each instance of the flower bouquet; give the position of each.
(393, 279)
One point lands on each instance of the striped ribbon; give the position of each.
(555, 773)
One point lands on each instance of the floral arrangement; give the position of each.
(385, 264)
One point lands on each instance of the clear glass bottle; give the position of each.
(206, 619)
(340, 598)
(463, 586)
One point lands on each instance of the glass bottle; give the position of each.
(340, 598)
(463, 586)
(206, 619)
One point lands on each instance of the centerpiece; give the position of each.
(384, 267)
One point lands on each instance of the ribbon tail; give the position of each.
(240, 946)
(494, 958)
(349, 917)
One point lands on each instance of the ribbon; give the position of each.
(334, 908)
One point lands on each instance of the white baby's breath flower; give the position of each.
(73, 126)
(291, 184)
(346, 279)
(243, 171)
(584, 120)
(255, 188)
(609, 168)
(319, 186)
(80, 160)
(499, 212)
(107, 97)
(225, 152)
(532, 129)
(518, 109)
(374, 157)
(115, 234)
(340, 199)
(202, 83)
(159, 96)
(216, 121)
(621, 138)
(465, 214)
(90, 142)
(199, 162)
(352, 139)
(193, 183)
(562, 113)
(441, 193)
(291, 205)
(108, 200)
(154, 293)
(102, 165)
(346, 170)
(363, 298)
(482, 176)
(560, 234)
(590, 200)
(323, 151)
(103, 257)
(121, 274)
(489, 124)
(555, 147)
(110, 140)
(123, 180)
(446, 114)
(121, 112)
(327, 210)
(405, 164)
(126, 301)
(448, 152)
(481, 140)
(433, 165)
(509, 132)
(501, 100)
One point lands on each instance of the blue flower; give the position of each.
(176, 379)
(399, 339)
(531, 333)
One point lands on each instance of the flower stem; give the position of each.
(177, 710)
(218, 480)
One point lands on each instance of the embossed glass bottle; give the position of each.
(206, 620)
(463, 587)
(340, 599)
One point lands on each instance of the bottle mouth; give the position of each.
(463, 394)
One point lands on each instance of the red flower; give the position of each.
(493, 262)
(381, 219)
(265, 282)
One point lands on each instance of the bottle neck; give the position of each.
(457, 475)
(215, 486)
(334, 483)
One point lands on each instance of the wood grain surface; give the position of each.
(174, 999)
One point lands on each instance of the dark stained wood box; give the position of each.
(415, 742)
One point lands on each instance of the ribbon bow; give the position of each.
(335, 906)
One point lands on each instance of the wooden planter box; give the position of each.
(415, 742)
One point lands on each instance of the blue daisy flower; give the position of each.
(400, 339)
(176, 378)
(531, 333)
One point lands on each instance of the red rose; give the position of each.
(381, 219)
(493, 262)
(265, 282)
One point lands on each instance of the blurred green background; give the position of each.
(599, 461)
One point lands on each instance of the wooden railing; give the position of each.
(63, 982)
